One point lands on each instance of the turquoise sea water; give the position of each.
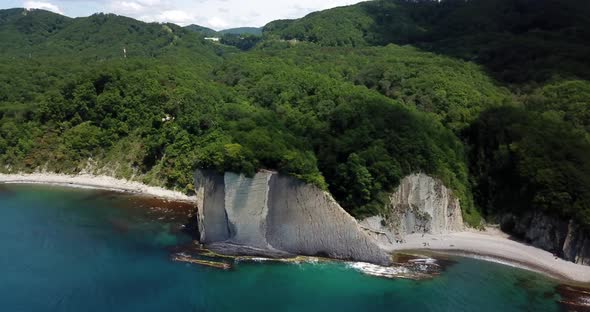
(85, 250)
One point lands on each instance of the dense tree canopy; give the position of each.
(517, 40)
(527, 161)
(496, 105)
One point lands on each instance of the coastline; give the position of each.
(496, 246)
(101, 182)
(490, 245)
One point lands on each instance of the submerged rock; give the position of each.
(574, 298)
(405, 266)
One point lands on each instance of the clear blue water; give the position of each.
(85, 250)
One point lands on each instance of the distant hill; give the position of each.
(207, 32)
(243, 38)
(256, 31)
(19, 28)
(34, 33)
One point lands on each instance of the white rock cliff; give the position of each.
(274, 213)
(421, 204)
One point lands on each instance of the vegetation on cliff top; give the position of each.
(348, 109)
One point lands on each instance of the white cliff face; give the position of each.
(213, 225)
(421, 204)
(305, 220)
(277, 213)
(246, 205)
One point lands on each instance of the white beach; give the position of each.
(494, 245)
(93, 181)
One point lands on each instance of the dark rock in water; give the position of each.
(201, 262)
(5, 191)
(279, 214)
(566, 239)
(406, 266)
(191, 227)
(242, 250)
(574, 298)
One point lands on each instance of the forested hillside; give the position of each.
(160, 117)
(254, 31)
(517, 40)
(351, 99)
(450, 90)
(37, 34)
(205, 31)
(244, 31)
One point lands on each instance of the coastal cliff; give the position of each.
(421, 204)
(276, 213)
(279, 215)
(565, 238)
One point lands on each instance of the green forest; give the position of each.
(490, 96)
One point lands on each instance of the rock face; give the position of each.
(564, 238)
(422, 204)
(278, 213)
(211, 194)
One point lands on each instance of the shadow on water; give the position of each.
(6, 191)
(534, 293)
(177, 213)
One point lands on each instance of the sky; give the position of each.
(216, 14)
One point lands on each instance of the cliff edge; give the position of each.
(276, 213)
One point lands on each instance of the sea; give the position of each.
(67, 249)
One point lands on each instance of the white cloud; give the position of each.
(220, 14)
(217, 14)
(42, 5)
(217, 22)
(150, 2)
(175, 16)
(127, 6)
(151, 11)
